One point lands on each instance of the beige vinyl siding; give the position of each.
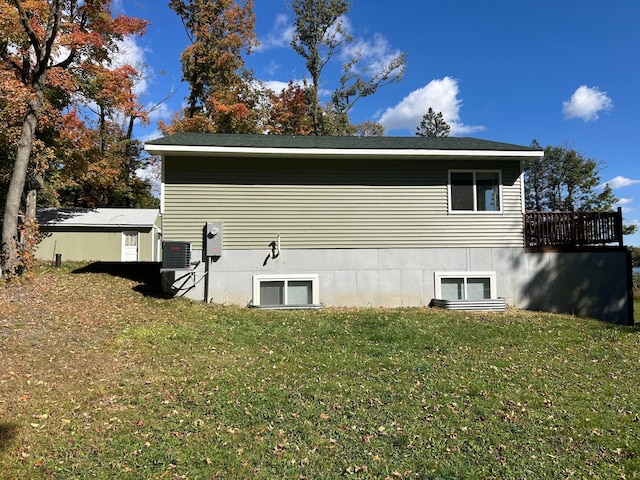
(80, 245)
(95, 244)
(349, 203)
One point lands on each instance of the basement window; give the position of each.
(286, 291)
(465, 285)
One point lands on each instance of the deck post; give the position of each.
(619, 227)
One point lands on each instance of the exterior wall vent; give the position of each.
(176, 255)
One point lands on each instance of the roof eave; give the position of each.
(215, 151)
(96, 225)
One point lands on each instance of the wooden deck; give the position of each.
(572, 230)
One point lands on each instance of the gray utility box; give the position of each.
(176, 255)
(212, 241)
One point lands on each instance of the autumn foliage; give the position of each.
(56, 59)
(291, 111)
(221, 98)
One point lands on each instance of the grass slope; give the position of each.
(99, 379)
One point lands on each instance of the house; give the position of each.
(100, 234)
(290, 222)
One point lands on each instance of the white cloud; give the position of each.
(624, 204)
(441, 95)
(620, 182)
(280, 35)
(130, 53)
(117, 6)
(159, 112)
(374, 55)
(586, 103)
(276, 86)
(151, 173)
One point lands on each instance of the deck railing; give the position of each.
(572, 229)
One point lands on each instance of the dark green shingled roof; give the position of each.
(311, 141)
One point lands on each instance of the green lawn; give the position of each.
(99, 379)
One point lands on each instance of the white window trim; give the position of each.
(475, 211)
(312, 277)
(438, 276)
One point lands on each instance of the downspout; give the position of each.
(154, 243)
(162, 177)
(522, 206)
(630, 305)
(522, 201)
(207, 283)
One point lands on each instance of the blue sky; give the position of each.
(558, 71)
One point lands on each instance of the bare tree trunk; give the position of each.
(31, 205)
(9, 257)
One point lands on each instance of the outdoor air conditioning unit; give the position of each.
(176, 255)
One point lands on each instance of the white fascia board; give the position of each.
(331, 152)
(123, 226)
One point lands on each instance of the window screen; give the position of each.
(299, 292)
(488, 191)
(452, 288)
(478, 288)
(272, 293)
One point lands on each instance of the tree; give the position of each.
(96, 168)
(635, 258)
(96, 157)
(336, 123)
(370, 129)
(359, 81)
(319, 37)
(290, 112)
(213, 65)
(433, 125)
(46, 45)
(565, 180)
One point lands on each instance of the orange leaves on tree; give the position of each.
(219, 31)
(180, 123)
(123, 25)
(111, 88)
(291, 112)
(231, 117)
(49, 47)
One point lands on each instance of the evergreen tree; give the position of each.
(433, 125)
(565, 180)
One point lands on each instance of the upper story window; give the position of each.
(474, 191)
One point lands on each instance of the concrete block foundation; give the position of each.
(594, 284)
